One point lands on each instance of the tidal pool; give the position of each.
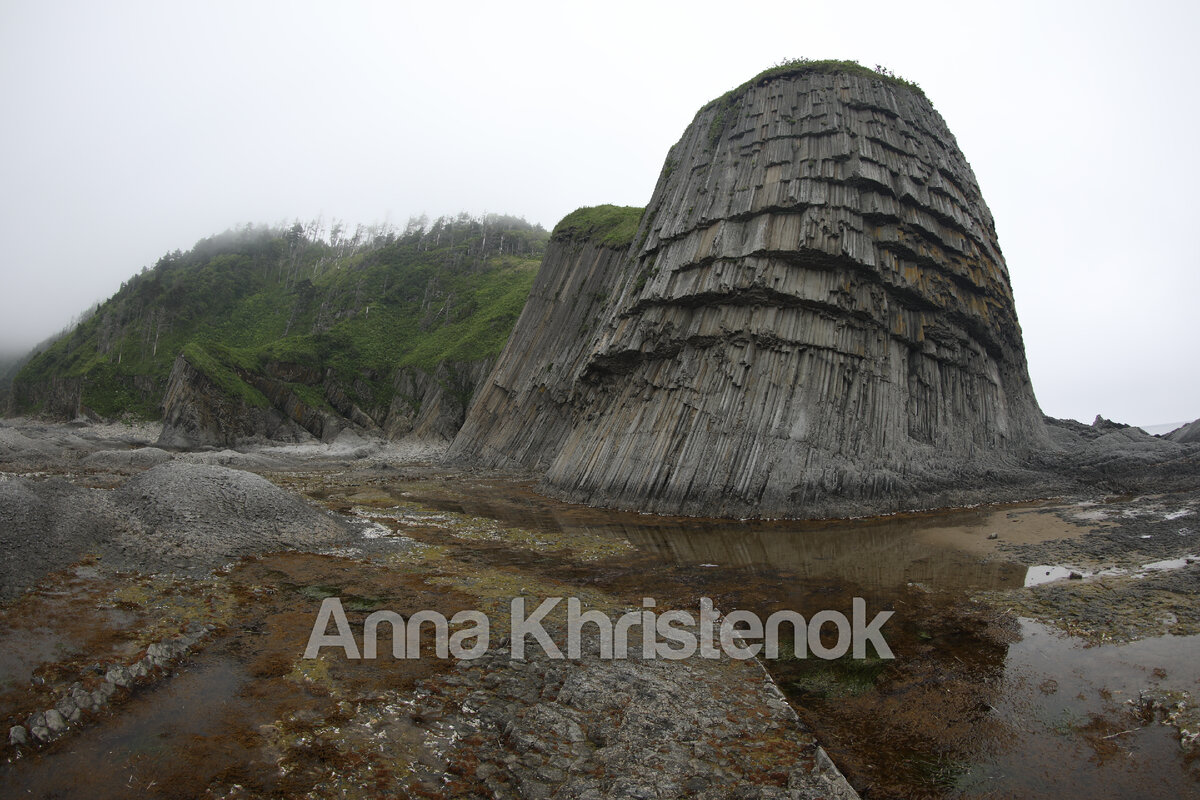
(977, 702)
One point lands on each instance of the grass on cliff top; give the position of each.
(800, 66)
(612, 226)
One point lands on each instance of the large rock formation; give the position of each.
(425, 408)
(524, 411)
(814, 318)
(1186, 434)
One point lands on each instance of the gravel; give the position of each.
(175, 517)
(196, 517)
(46, 525)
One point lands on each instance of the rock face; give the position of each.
(814, 319)
(426, 408)
(1186, 434)
(524, 410)
(196, 411)
(59, 397)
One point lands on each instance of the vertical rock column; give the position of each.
(524, 411)
(815, 319)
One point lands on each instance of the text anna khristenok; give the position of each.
(669, 635)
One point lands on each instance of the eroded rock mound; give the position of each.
(813, 319)
(194, 517)
(1186, 434)
(175, 517)
(45, 525)
(135, 459)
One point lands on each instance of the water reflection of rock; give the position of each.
(878, 553)
(872, 556)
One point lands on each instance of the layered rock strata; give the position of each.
(814, 319)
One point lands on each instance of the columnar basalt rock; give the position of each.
(524, 411)
(814, 319)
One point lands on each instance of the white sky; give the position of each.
(128, 129)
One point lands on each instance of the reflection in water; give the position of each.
(875, 557)
(878, 553)
(974, 705)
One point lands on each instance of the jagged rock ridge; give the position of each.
(813, 319)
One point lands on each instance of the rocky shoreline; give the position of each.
(177, 566)
(155, 566)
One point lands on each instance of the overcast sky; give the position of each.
(131, 129)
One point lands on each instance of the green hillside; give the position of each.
(312, 304)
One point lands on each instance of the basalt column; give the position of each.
(814, 319)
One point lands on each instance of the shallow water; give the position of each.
(140, 746)
(974, 704)
(964, 710)
(1073, 708)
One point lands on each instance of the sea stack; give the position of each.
(811, 318)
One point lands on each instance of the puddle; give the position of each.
(138, 751)
(1050, 573)
(1170, 563)
(1076, 732)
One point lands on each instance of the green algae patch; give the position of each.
(842, 677)
(312, 671)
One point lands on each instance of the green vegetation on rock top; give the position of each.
(797, 66)
(612, 226)
(301, 303)
(801, 66)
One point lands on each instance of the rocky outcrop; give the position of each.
(424, 408)
(1116, 458)
(1186, 434)
(524, 412)
(814, 319)
(431, 407)
(57, 398)
(198, 412)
